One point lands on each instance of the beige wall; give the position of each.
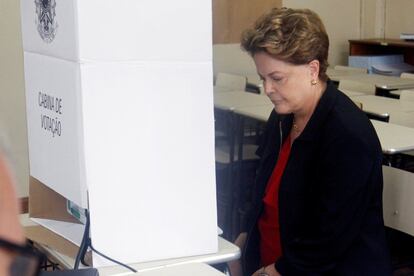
(370, 17)
(342, 22)
(399, 17)
(354, 19)
(231, 17)
(12, 102)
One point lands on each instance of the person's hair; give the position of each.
(296, 36)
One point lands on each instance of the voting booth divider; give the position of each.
(119, 104)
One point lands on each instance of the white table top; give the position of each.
(382, 105)
(198, 269)
(255, 80)
(351, 93)
(380, 81)
(236, 99)
(226, 252)
(394, 138)
(219, 89)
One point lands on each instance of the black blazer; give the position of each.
(330, 197)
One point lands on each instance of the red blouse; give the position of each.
(270, 247)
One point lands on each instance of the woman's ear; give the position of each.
(314, 69)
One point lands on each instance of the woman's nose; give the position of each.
(268, 88)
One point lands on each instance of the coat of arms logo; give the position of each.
(45, 19)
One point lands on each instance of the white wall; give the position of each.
(12, 101)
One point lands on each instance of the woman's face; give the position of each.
(288, 86)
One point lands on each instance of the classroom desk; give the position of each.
(219, 89)
(235, 99)
(254, 79)
(351, 93)
(335, 74)
(383, 106)
(226, 252)
(254, 83)
(393, 138)
(380, 81)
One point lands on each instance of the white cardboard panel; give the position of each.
(54, 125)
(65, 42)
(149, 154)
(123, 30)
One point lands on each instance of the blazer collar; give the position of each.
(320, 114)
(312, 129)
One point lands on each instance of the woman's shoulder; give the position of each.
(350, 124)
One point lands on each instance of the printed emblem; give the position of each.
(45, 19)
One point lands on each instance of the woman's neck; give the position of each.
(301, 118)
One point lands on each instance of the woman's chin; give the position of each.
(281, 110)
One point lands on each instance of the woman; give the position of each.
(319, 182)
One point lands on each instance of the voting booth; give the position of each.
(120, 122)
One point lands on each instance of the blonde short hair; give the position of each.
(297, 36)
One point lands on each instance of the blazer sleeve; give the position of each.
(352, 175)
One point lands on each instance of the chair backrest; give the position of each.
(397, 199)
(407, 95)
(231, 81)
(407, 76)
(349, 68)
(357, 86)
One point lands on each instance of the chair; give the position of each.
(357, 86)
(351, 69)
(397, 199)
(398, 208)
(228, 170)
(231, 82)
(407, 76)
